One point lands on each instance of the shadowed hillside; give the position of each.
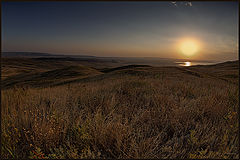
(48, 78)
(14, 66)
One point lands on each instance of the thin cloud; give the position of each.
(189, 4)
(182, 3)
(174, 3)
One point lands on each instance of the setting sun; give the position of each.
(189, 47)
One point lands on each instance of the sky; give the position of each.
(122, 29)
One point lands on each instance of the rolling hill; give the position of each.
(40, 72)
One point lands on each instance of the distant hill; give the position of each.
(38, 54)
(228, 63)
(24, 54)
(44, 77)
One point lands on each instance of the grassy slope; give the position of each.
(15, 66)
(40, 73)
(131, 112)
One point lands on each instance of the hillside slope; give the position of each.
(29, 73)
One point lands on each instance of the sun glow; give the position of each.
(189, 47)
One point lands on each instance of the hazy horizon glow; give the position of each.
(122, 29)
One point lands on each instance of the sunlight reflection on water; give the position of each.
(188, 63)
(185, 64)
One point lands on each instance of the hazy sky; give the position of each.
(146, 29)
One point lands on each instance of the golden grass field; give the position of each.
(73, 111)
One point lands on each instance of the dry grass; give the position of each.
(127, 116)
